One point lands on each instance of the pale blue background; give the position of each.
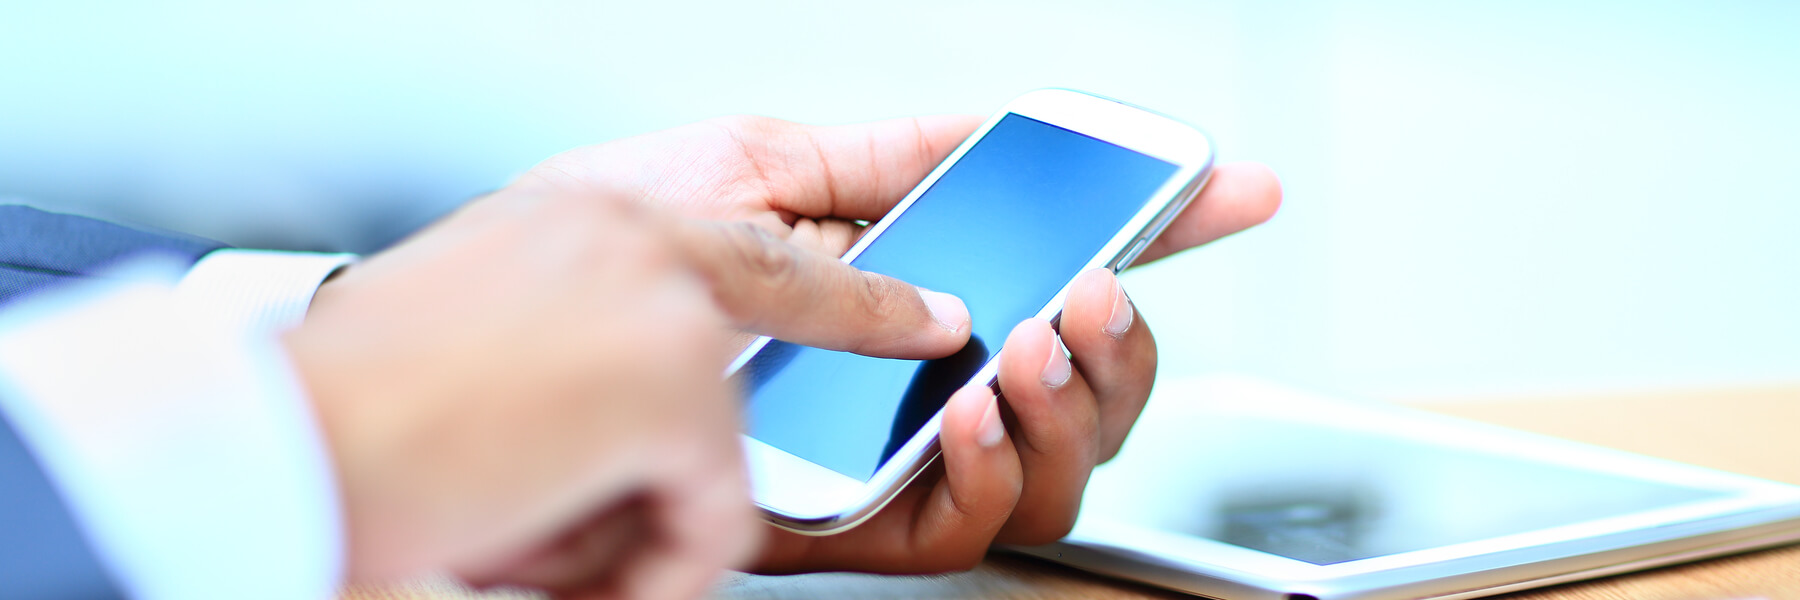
(1487, 198)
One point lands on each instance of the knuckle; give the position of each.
(882, 298)
(768, 259)
(876, 301)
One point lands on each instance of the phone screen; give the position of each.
(1005, 228)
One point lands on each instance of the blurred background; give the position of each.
(1487, 199)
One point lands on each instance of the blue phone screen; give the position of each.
(1004, 229)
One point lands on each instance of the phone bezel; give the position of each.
(801, 496)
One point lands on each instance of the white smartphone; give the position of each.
(1056, 183)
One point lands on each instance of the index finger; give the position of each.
(774, 288)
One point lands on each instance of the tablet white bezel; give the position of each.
(805, 497)
(1743, 494)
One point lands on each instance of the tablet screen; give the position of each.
(1325, 495)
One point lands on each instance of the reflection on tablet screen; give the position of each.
(1326, 495)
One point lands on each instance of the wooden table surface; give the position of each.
(1746, 430)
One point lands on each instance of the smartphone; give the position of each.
(1056, 183)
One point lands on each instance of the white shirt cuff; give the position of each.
(183, 444)
(258, 290)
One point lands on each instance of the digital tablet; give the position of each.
(1236, 489)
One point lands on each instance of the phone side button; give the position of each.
(1130, 255)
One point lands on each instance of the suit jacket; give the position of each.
(43, 553)
(39, 249)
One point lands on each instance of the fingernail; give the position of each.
(1057, 369)
(947, 310)
(1120, 321)
(991, 429)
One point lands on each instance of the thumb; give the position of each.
(774, 288)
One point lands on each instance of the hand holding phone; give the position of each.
(1056, 183)
(814, 186)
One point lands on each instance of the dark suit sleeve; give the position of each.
(42, 552)
(39, 249)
